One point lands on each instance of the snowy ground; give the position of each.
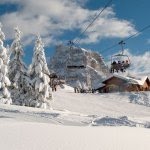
(39, 136)
(77, 122)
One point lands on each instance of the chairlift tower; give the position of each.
(122, 48)
(70, 44)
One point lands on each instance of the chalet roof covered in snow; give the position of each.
(129, 79)
(139, 81)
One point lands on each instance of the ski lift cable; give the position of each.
(143, 29)
(130, 37)
(91, 23)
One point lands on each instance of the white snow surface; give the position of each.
(31, 136)
(77, 122)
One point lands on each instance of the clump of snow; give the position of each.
(142, 98)
(111, 121)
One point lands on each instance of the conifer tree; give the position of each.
(18, 71)
(5, 96)
(39, 72)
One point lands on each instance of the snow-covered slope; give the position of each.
(79, 67)
(78, 121)
(70, 108)
(120, 104)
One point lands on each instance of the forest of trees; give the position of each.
(19, 84)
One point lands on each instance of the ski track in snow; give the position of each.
(83, 110)
(44, 116)
(77, 122)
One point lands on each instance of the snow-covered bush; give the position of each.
(142, 98)
(18, 71)
(41, 92)
(5, 96)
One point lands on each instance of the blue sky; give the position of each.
(61, 20)
(135, 11)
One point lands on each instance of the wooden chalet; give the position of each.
(117, 83)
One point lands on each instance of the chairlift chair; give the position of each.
(120, 62)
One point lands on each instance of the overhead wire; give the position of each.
(95, 18)
(126, 39)
(91, 23)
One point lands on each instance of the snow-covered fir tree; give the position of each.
(39, 72)
(5, 96)
(18, 71)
